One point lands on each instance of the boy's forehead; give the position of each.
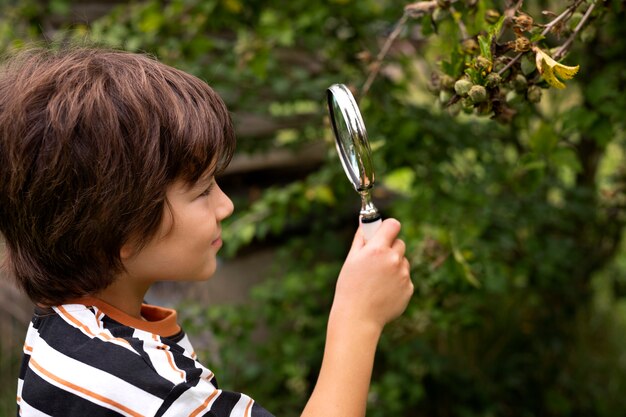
(203, 181)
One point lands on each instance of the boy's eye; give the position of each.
(208, 190)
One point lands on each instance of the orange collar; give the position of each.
(158, 320)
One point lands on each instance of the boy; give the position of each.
(107, 185)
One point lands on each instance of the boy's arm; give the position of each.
(373, 288)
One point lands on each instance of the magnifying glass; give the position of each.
(354, 152)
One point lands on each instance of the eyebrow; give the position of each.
(203, 182)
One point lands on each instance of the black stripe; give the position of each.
(225, 403)
(175, 393)
(106, 356)
(49, 399)
(177, 337)
(258, 411)
(24, 365)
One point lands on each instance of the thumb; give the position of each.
(388, 232)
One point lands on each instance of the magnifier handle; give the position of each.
(370, 228)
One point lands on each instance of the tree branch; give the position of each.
(564, 48)
(548, 27)
(383, 52)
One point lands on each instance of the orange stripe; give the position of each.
(204, 404)
(98, 315)
(171, 361)
(247, 413)
(84, 390)
(28, 348)
(87, 330)
(75, 321)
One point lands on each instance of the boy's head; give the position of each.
(90, 140)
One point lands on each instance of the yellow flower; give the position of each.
(552, 71)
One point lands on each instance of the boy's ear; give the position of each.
(126, 251)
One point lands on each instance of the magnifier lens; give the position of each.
(345, 144)
(354, 151)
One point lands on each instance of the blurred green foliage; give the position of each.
(513, 228)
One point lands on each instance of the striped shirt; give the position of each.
(90, 359)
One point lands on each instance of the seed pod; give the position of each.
(534, 94)
(511, 97)
(521, 44)
(520, 83)
(483, 63)
(447, 82)
(493, 80)
(523, 22)
(467, 105)
(469, 46)
(478, 94)
(462, 87)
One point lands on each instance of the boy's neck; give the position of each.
(125, 297)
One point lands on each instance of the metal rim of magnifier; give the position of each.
(356, 129)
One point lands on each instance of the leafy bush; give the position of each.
(512, 201)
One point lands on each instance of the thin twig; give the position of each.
(376, 65)
(563, 49)
(510, 64)
(545, 31)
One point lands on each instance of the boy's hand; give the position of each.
(374, 285)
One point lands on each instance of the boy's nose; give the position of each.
(225, 206)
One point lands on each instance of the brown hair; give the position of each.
(89, 141)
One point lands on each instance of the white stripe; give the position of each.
(92, 379)
(31, 337)
(186, 344)
(27, 411)
(239, 410)
(190, 353)
(90, 324)
(160, 357)
(20, 384)
(193, 398)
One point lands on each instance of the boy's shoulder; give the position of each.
(90, 337)
(79, 359)
(80, 351)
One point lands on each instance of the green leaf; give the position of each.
(494, 30)
(485, 46)
(528, 64)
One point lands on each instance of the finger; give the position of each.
(387, 233)
(358, 241)
(399, 247)
(407, 267)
